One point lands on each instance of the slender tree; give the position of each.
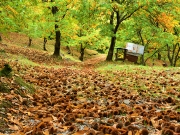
(85, 14)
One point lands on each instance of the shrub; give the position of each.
(6, 71)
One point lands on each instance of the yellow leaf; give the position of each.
(11, 9)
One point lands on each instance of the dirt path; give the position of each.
(90, 63)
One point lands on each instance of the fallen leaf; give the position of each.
(130, 133)
(47, 119)
(82, 132)
(137, 133)
(154, 122)
(13, 127)
(46, 132)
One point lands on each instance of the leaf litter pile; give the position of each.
(74, 102)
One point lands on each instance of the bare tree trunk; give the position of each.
(30, 42)
(111, 49)
(82, 53)
(142, 62)
(68, 49)
(58, 34)
(58, 43)
(159, 56)
(113, 40)
(44, 45)
(177, 54)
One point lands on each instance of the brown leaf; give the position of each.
(47, 119)
(130, 133)
(82, 132)
(18, 133)
(46, 132)
(137, 133)
(20, 98)
(154, 122)
(13, 127)
(15, 121)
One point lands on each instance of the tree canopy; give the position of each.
(153, 23)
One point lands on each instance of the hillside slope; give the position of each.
(45, 95)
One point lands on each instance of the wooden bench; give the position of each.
(131, 52)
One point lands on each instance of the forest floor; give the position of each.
(45, 95)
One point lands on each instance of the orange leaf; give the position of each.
(47, 119)
(130, 133)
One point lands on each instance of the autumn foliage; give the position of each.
(78, 102)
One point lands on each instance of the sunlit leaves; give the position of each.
(167, 21)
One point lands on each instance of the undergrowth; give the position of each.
(24, 86)
(4, 88)
(6, 71)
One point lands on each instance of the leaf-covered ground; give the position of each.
(84, 101)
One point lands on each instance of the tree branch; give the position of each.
(158, 50)
(117, 21)
(140, 35)
(126, 16)
(177, 54)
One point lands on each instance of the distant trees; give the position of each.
(86, 17)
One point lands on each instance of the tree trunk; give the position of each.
(30, 42)
(142, 60)
(68, 49)
(111, 49)
(113, 40)
(82, 53)
(58, 43)
(159, 56)
(44, 45)
(58, 34)
(177, 55)
(119, 19)
(169, 55)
